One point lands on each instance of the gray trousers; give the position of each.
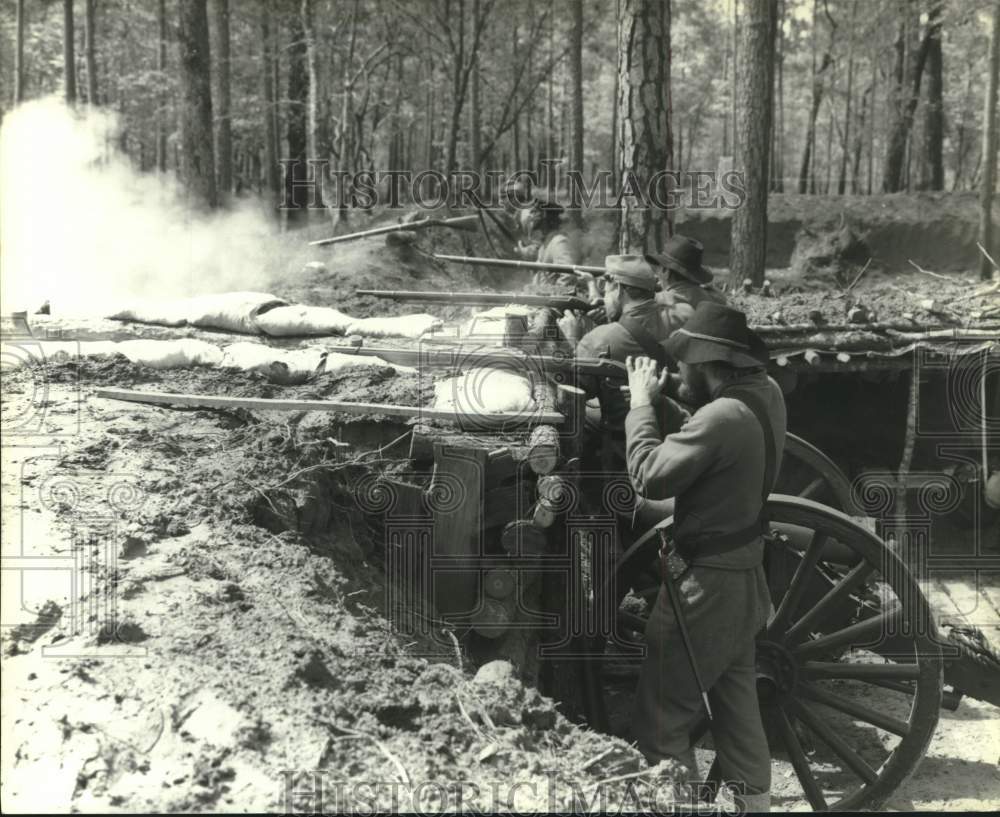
(724, 610)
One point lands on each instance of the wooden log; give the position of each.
(544, 450)
(521, 537)
(543, 515)
(510, 419)
(494, 618)
(455, 498)
(500, 582)
(555, 489)
(571, 401)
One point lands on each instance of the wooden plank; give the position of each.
(495, 420)
(455, 497)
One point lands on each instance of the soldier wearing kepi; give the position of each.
(686, 281)
(719, 463)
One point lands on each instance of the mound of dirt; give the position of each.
(248, 668)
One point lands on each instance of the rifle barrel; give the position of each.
(512, 263)
(482, 298)
(459, 223)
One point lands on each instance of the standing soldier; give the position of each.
(719, 464)
(557, 245)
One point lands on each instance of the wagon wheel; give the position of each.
(809, 473)
(848, 671)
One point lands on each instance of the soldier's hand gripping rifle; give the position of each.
(467, 223)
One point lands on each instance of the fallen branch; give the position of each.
(857, 278)
(989, 257)
(919, 268)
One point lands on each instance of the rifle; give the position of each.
(559, 302)
(515, 264)
(512, 360)
(467, 223)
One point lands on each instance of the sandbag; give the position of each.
(493, 322)
(298, 319)
(287, 367)
(160, 312)
(171, 354)
(403, 326)
(231, 311)
(485, 391)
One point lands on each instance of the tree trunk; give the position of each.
(856, 148)
(267, 93)
(197, 155)
(297, 198)
(69, 55)
(161, 66)
(576, 75)
(989, 150)
(778, 126)
(871, 125)
(90, 50)
(846, 141)
(645, 143)
(807, 175)
(933, 169)
(475, 114)
(748, 245)
(894, 178)
(457, 94)
(735, 78)
(223, 131)
(314, 113)
(19, 55)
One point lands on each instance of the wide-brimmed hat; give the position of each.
(631, 270)
(683, 255)
(717, 332)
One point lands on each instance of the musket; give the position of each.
(511, 263)
(559, 302)
(468, 223)
(458, 358)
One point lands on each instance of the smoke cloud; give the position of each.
(82, 228)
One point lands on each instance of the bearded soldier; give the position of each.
(718, 464)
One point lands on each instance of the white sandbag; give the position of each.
(493, 322)
(232, 311)
(485, 391)
(285, 366)
(171, 354)
(336, 361)
(299, 319)
(403, 326)
(160, 312)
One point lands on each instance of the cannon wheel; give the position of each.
(808, 473)
(850, 623)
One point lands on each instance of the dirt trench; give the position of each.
(249, 663)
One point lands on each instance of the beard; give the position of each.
(696, 384)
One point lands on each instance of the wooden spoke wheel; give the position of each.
(808, 473)
(849, 673)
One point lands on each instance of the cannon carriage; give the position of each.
(852, 669)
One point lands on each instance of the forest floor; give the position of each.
(252, 652)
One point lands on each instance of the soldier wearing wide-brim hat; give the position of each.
(718, 464)
(686, 280)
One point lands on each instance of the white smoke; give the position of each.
(82, 228)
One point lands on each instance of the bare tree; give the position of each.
(223, 116)
(19, 55)
(297, 197)
(932, 175)
(267, 94)
(988, 184)
(69, 55)
(161, 66)
(645, 144)
(807, 175)
(748, 246)
(576, 72)
(907, 95)
(197, 154)
(90, 50)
